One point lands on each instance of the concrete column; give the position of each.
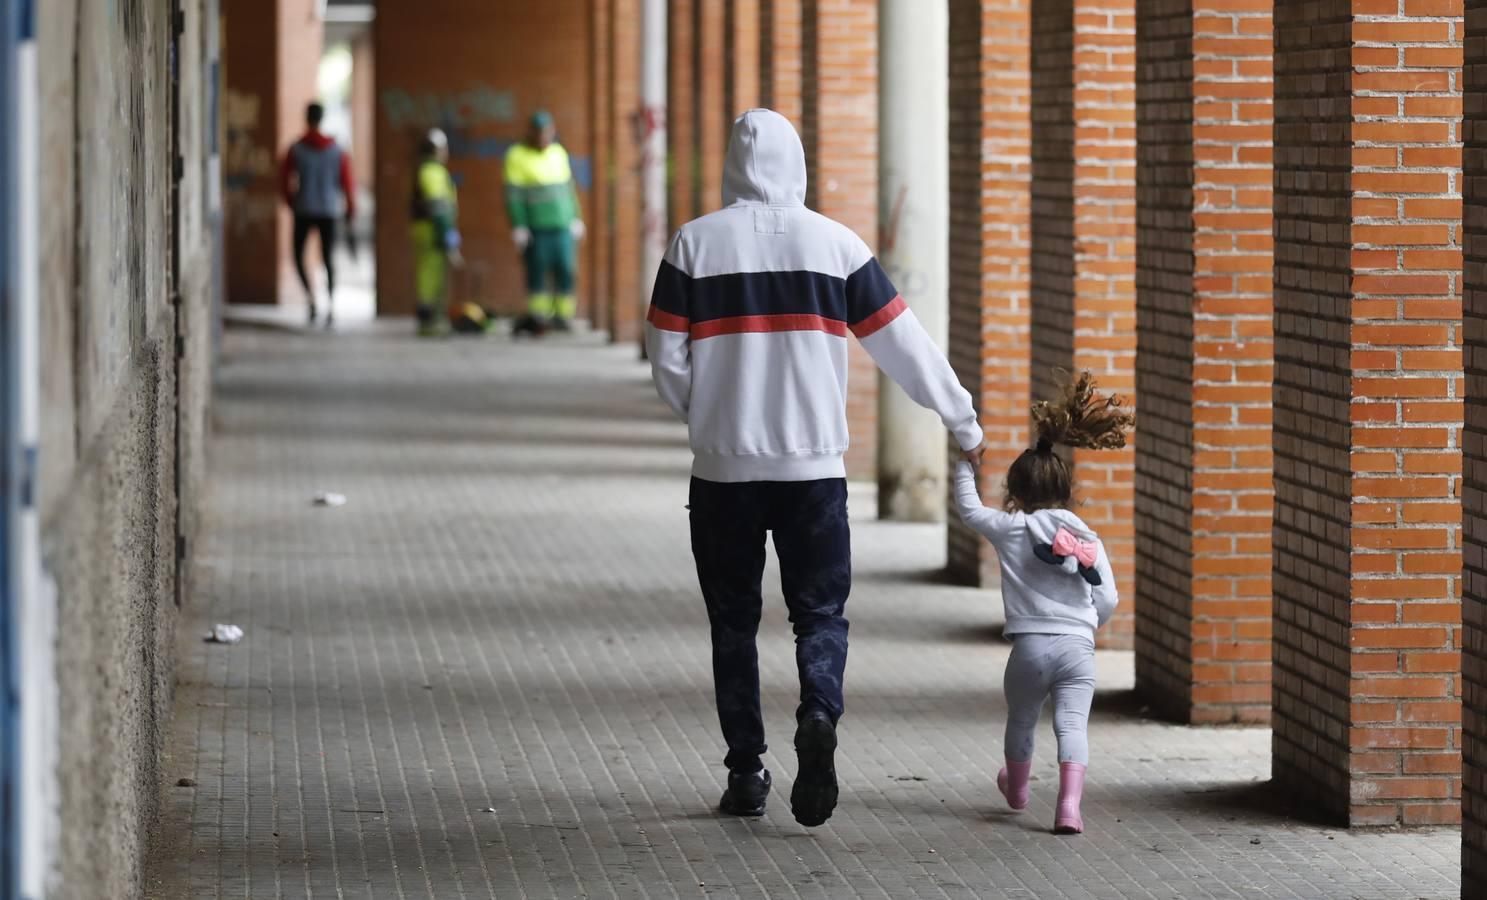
(653, 70)
(913, 195)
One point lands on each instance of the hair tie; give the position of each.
(1044, 445)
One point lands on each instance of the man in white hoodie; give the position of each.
(747, 338)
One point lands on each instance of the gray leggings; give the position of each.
(1041, 664)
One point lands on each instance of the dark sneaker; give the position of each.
(746, 793)
(562, 325)
(813, 798)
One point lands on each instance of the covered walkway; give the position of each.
(486, 675)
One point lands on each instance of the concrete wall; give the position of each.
(477, 70)
(108, 493)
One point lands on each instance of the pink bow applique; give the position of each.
(1066, 544)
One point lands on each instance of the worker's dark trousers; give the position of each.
(811, 539)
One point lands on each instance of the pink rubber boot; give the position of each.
(1066, 818)
(1012, 782)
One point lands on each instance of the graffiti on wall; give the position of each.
(459, 112)
(478, 105)
(246, 159)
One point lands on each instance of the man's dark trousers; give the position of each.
(813, 544)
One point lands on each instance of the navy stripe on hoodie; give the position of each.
(796, 293)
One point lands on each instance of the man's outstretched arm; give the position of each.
(892, 335)
(668, 337)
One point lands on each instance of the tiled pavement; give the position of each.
(487, 676)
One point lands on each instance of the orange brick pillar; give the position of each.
(270, 57)
(839, 124)
(625, 299)
(1083, 242)
(780, 57)
(1203, 362)
(1366, 723)
(989, 312)
(1474, 446)
(740, 56)
(713, 119)
(600, 238)
(681, 112)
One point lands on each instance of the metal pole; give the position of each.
(653, 144)
(913, 207)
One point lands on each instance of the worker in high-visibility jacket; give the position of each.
(545, 224)
(435, 233)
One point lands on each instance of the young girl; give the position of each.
(1056, 587)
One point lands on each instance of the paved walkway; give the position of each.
(487, 676)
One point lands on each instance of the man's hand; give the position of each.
(521, 236)
(974, 456)
(455, 259)
(577, 229)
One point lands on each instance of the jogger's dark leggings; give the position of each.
(327, 228)
(811, 539)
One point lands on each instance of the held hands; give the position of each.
(974, 456)
(577, 229)
(521, 236)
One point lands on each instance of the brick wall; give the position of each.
(713, 118)
(780, 57)
(681, 112)
(989, 201)
(1083, 240)
(1165, 303)
(601, 197)
(301, 41)
(740, 56)
(1474, 447)
(1312, 430)
(1367, 465)
(627, 304)
(269, 62)
(1407, 410)
(480, 89)
(1203, 492)
(839, 84)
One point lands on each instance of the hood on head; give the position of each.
(766, 162)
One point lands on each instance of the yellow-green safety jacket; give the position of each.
(540, 193)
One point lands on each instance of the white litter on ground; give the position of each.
(224, 634)
(330, 498)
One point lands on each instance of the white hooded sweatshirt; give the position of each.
(747, 330)
(1040, 597)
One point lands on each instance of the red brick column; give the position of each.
(989, 311)
(624, 87)
(1083, 241)
(1366, 722)
(681, 111)
(1474, 446)
(713, 120)
(601, 236)
(1203, 366)
(780, 57)
(839, 124)
(741, 53)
